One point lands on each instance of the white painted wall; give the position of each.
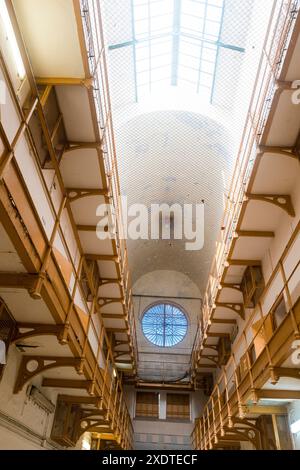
(164, 434)
(23, 425)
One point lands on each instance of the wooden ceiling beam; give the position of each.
(80, 400)
(117, 330)
(278, 394)
(255, 234)
(18, 280)
(217, 335)
(64, 81)
(205, 366)
(117, 316)
(264, 410)
(287, 372)
(77, 145)
(107, 280)
(226, 285)
(243, 262)
(223, 321)
(66, 383)
(96, 257)
(86, 228)
(285, 85)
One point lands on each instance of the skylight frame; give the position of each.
(146, 75)
(173, 68)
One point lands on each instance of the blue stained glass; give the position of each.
(164, 325)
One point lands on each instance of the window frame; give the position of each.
(170, 304)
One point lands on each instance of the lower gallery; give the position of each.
(149, 225)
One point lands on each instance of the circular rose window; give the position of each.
(164, 325)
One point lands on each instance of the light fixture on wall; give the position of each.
(295, 427)
(12, 39)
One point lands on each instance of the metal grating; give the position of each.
(177, 43)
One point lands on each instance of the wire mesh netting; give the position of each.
(181, 76)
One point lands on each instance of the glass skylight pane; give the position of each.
(162, 7)
(160, 73)
(160, 23)
(193, 8)
(206, 79)
(188, 74)
(209, 54)
(142, 52)
(218, 3)
(212, 29)
(188, 61)
(159, 47)
(186, 85)
(160, 61)
(195, 56)
(143, 90)
(208, 67)
(204, 93)
(142, 66)
(158, 85)
(143, 77)
(141, 12)
(189, 48)
(214, 14)
(141, 28)
(192, 23)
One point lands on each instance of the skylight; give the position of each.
(177, 43)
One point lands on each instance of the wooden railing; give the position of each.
(279, 32)
(21, 215)
(257, 354)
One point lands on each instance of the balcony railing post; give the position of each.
(43, 271)
(271, 366)
(220, 411)
(214, 419)
(237, 385)
(230, 424)
(290, 302)
(209, 430)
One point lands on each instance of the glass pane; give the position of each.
(164, 325)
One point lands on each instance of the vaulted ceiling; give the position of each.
(175, 145)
